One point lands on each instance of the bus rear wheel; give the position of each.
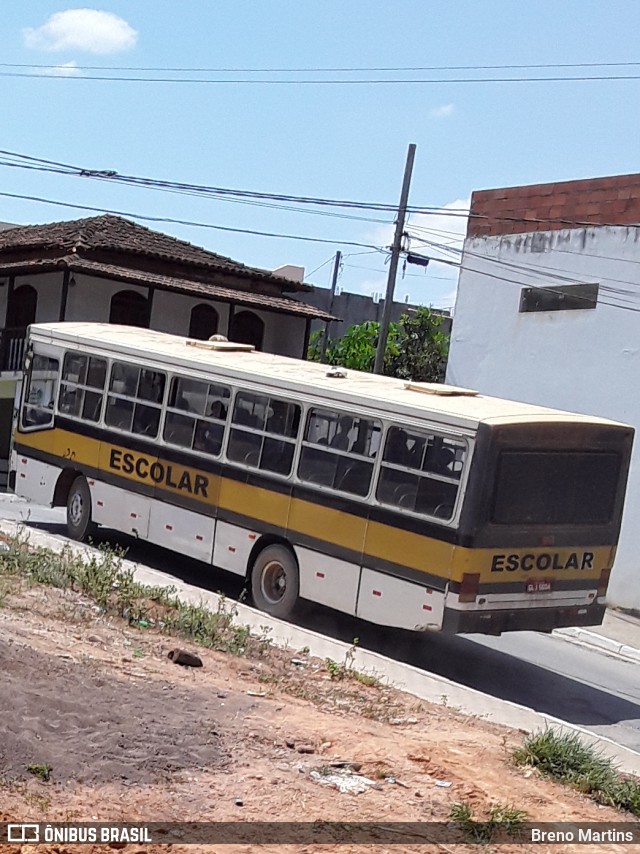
(275, 582)
(79, 524)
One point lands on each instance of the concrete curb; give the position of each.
(426, 686)
(600, 643)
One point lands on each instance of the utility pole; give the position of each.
(334, 282)
(393, 264)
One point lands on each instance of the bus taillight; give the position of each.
(604, 581)
(469, 587)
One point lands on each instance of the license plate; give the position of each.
(540, 586)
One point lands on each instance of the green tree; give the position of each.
(416, 347)
(422, 348)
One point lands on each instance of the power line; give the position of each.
(327, 69)
(528, 270)
(424, 276)
(208, 191)
(40, 164)
(196, 189)
(488, 275)
(543, 271)
(302, 81)
(188, 222)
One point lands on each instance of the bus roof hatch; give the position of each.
(442, 390)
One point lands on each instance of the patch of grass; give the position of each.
(504, 821)
(335, 670)
(346, 670)
(36, 799)
(102, 577)
(366, 679)
(42, 772)
(566, 758)
(6, 587)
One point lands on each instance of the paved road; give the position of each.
(542, 672)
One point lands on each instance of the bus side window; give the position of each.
(421, 472)
(82, 386)
(186, 399)
(209, 434)
(283, 423)
(40, 394)
(338, 451)
(263, 432)
(128, 388)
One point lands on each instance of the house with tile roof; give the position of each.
(110, 269)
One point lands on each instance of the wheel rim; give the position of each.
(273, 582)
(76, 508)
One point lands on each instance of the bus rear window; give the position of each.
(555, 487)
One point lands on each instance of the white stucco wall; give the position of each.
(585, 361)
(283, 334)
(49, 288)
(172, 312)
(90, 298)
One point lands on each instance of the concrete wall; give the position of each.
(586, 361)
(353, 309)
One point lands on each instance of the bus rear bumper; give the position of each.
(521, 620)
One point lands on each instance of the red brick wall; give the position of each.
(570, 204)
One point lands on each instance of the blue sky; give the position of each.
(329, 141)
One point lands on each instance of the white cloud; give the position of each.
(89, 30)
(442, 112)
(67, 69)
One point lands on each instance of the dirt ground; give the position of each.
(131, 736)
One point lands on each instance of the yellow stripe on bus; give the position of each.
(374, 540)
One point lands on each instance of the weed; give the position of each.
(5, 589)
(42, 772)
(102, 577)
(138, 653)
(41, 802)
(508, 818)
(348, 671)
(366, 679)
(504, 819)
(335, 670)
(566, 758)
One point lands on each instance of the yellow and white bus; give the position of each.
(423, 507)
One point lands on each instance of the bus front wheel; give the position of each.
(275, 583)
(79, 524)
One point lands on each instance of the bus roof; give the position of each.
(463, 408)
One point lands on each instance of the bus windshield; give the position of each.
(555, 487)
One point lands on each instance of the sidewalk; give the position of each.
(619, 635)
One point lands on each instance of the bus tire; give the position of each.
(275, 581)
(79, 524)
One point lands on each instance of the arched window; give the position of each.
(247, 328)
(21, 310)
(130, 309)
(204, 322)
